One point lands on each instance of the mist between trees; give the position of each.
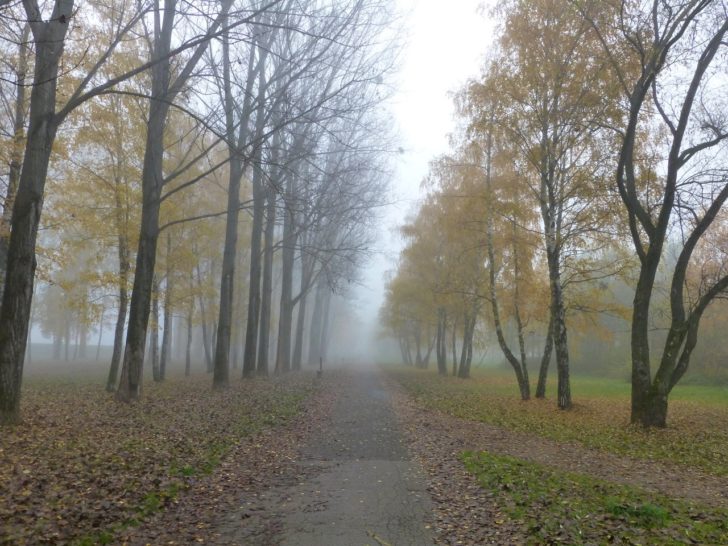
(585, 189)
(208, 175)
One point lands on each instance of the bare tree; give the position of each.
(672, 47)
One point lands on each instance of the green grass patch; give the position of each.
(697, 434)
(558, 507)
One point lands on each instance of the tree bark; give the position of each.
(17, 298)
(167, 332)
(252, 326)
(545, 359)
(163, 91)
(301, 318)
(466, 354)
(285, 319)
(16, 154)
(314, 344)
(188, 348)
(154, 337)
(441, 350)
(454, 348)
(221, 376)
(267, 291)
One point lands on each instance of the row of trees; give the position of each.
(148, 128)
(592, 153)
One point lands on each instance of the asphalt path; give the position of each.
(365, 488)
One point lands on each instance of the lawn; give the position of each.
(82, 466)
(697, 435)
(557, 507)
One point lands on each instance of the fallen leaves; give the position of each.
(81, 467)
(696, 436)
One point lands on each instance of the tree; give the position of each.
(44, 119)
(544, 89)
(664, 57)
(166, 86)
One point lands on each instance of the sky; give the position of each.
(445, 47)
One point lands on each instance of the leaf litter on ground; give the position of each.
(81, 466)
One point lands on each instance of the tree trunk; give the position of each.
(645, 407)
(545, 359)
(124, 269)
(66, 340)
(154, 338)
(464, 368)
(301, 318)
(164, 90)
(418, 343)
(57, 345)
(221, 376)
(167, 332)
(82, 338)
(152, 179)
(314, 343)
(325, 327)
(267, 293)
(101, 335)
(252, 326)
(441, 350)
(17, 297)
(519, 367)
(285, 319)
(558, 312)
(454, 348)
(16, 154)
(203, 320)
(188, 349)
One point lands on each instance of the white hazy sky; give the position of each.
(446, 44)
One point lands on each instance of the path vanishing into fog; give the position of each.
(359, 485)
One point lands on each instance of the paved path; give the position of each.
(368, 490)
(358, 484)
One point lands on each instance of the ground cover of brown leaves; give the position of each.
(233, 505)
(466, 513)
(83, 469)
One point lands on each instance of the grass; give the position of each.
(697, 434)
(561, 507)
